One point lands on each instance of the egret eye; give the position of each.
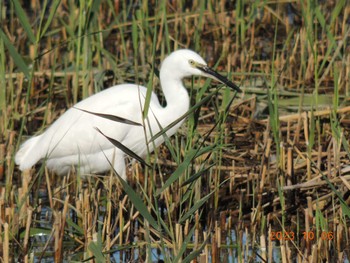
(192, 63)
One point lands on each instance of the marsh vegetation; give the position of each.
(261, 176)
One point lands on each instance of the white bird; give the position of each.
(73, 140)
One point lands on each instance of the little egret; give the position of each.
(75, 139)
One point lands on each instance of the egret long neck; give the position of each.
(176, 96)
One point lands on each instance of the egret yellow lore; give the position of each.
(74, 140)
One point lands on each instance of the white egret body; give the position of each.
(73, 141)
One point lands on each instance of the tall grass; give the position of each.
(241, 172)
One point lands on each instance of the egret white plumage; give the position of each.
(73, 141)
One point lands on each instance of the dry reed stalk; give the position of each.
(215, 251)
(121, 221)
(307, 142)
(126, 226)
(78, 209)
(339, 236)
(300, 258)
(63, 222)
(239, 234)
(283, 158)
(6, 244)
(313, 258)
(232, 177)
(289, 252)
(307, 228)
(21, 196)
(178, 238)
(24, 193)
(20, 80)
(310, 209)
(2, 213)
(289, 166)
(10, 217)
(288, 131)
(321, 248)
(206, 248)
(345, 182)
(10, 149)
(263, 247)
(283, 253)
(335, 55)
(50, 116)
(270, 244)
(307, 114)
(341, 257)
(196, 239)
(301, 156)
(2, 160)
(89, 228)
(49, 74)
(264, 163)
(202, 258)
(95, 202)
(336, 153)
(27, 233)
(245, 250)
(222, 230)
(329, 160)
(107, 224)
(187, 227)
(87, 220)
(319, 157)
(57, 228)
(197, 230)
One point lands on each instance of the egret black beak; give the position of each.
(212, 73)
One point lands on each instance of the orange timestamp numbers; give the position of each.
(307, 235)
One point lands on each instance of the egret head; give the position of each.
(184, 63)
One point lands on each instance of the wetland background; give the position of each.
(261, 176)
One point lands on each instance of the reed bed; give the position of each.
(259, 177)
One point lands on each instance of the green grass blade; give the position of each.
(15, 55)
(96, 248)
(37, 231)
(150, 82)
(196, 253)
(194, 208)
(74, 226)
(193, 153)
(3, 101)
(111, 117)
(138, 203)
(52, 14)
(194, 177)
(189, 112)
(22, 16)
(184, 245)
(125, 149)
(136, 200)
